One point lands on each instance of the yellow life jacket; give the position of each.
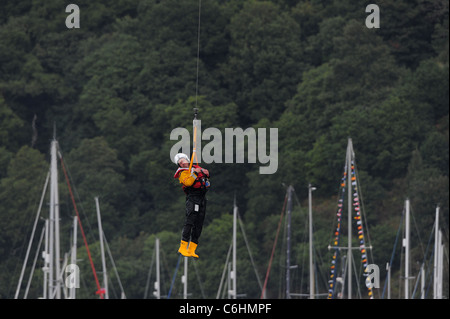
(187, 178)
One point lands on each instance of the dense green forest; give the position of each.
(113, 89)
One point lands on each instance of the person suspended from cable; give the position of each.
(195, 184)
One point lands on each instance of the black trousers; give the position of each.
(195, 215)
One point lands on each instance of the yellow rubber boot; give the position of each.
(183, 249)
(191, 249)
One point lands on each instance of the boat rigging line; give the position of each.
(99, 291)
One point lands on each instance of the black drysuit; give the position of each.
(195, 207)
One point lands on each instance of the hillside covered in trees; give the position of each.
(114, 89)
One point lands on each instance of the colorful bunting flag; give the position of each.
(337, 233)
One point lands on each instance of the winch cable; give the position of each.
(194, 148)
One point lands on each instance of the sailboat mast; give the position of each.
(440, 266)
(288, 249)
(349, 196)
(436, 253)
(102, 249)
(73, 256)
(51, 243)
(311, 263)
(422, 282)
(235, 210)
(388, 270)
(54, 251)
(406, 245)
(157, 292)
(184, 278)
(349, 184)
(57, 236)
(46, 256)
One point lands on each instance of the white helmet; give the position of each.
(180, 156)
